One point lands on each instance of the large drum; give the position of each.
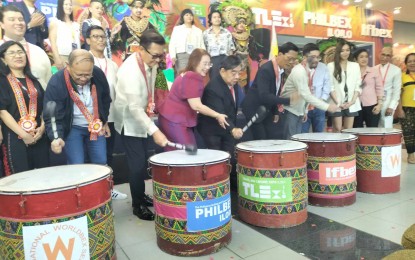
(379, 157)
(63, 210)
(272, 183)
(331, 168)
(192, 201)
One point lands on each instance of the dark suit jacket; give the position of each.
(58, 92)
(37, 34)
(218, 97)
(263, 92)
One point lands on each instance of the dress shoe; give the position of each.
(148, 200)
(142, 212)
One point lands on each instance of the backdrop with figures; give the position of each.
(259, 22)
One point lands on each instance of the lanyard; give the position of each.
(386, 73)
(310, 77)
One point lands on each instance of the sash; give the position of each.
(150, 89)
(27, 117)
(94, 123)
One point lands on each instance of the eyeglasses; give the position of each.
(312, 57)
(210, 65)
(15, 53)
(98, 37)
(236, 72)
(291, 59)
(155, 56)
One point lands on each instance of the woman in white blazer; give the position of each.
(184, 39)
(346, 86)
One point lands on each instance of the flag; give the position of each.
(274, 43)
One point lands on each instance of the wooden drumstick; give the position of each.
(190, 149)
(50, 110)
(258, 117)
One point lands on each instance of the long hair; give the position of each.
(5, 70)
(337, 67)
(195, 58)
(406, 61)
(60, 14)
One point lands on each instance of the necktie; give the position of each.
(232, 93)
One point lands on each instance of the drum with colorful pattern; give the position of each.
(379, 157)
(331, 168)
(272, 183)
(57, 211)
(192, 201)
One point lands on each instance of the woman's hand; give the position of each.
(376, 110)
(400, 113)
(28, 139)
(38, 132)
(60, 64)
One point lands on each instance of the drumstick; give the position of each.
(190, 149)
(259, 116)
(50, 109)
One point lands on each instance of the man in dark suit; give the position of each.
(221, 95)
(266, 89)
(37, 28)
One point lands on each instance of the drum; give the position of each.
(331, 168)
(63, 210)
(192, 201)
(272, 183)
(379, 157)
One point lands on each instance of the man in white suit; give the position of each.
(133, 107)
(391, 76)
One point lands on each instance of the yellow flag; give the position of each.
(274, 44)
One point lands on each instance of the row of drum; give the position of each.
(67, 209)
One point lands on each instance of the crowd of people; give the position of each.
(95, 98)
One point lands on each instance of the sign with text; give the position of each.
(391, 161)
(61, 241)
(208, 214)
(337, 173)
(274, 190)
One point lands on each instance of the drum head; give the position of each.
(53, 179)
(271, 146)
(181, 158)
(373, 131)
(323, 137)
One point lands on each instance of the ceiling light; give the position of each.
(345, 2)
(397, 10)
(396, 44)
(358, 1)
(411, 46)
(369, 5)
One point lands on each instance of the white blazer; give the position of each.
(182, 36)
(353, 81)
(131, 100)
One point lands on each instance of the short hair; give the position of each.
(60, 14)
(195, 58)
(151, 36)
(309, 47)
(4, 69)
(406, 60)
(90, 29)
(183, 13)
(230, 62)
(287, 47)
(9, 8)
(358, 52)
(76, 53)
(210, 16)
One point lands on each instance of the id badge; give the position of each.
(214, 51)
(74, 46)
(189, 48)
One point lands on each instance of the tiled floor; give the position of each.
(384, 216)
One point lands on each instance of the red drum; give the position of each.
(331, 168)
(272, 183)
(64, 210)
(192, 201)
(379, 159)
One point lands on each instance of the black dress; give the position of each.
(17, 156)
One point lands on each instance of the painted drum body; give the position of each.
(192, 201)
(64, 209)
(379, 159)
(331, 168)
(272, 183)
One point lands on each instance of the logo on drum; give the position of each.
(391, 161)
(337, 173)
(66, 240)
